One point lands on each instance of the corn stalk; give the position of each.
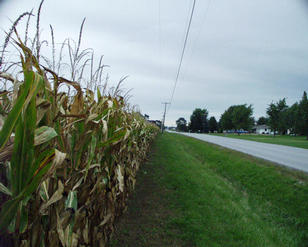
(67, 163)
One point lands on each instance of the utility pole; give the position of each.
(164, 117)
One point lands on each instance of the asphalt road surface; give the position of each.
(296, 158)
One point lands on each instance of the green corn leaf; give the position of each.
(44, 134)
(114, 139)
(81, 146)
(42, 159)
(16, 157)
(98, 94)
(103, 113)
(80, 127)
(23, 219)
(10, 208)
(71, 201)
(8, 212)
(23, 152)
(59, 131)
(92, 153)
(5, 190)
(11, 119)
(11, 227)
(27, 155)
(35, 181)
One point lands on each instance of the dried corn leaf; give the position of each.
(57, 162)
(78, 183)
(85, 232)
(77, 106)
(106, 219)
(60, 230)
(89, 131)
(55, 197)
(120, 178)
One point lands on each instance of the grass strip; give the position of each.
(205, 195)
(292, 141)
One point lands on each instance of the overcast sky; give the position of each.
(238, 51)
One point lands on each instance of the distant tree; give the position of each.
(303, 110)
(253, 122)
(242, 117)
(198, 121)
(293, 119)
(226, 119)
(277, 116)
(181, 124)
(262, 120)
(237, 117)
(273, 117)
(219, 126)
(213, 125)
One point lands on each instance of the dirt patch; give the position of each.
(146, 221)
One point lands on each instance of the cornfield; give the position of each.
(68, 158)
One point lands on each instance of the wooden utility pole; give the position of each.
(164, 117)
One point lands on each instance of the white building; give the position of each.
(262, 129)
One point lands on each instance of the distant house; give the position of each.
(146, 117)
(156, 122)
(240, 131)
(262, 129)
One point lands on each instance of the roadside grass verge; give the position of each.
(292, 141)
(192, 193)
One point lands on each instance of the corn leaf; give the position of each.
(11, 119)
(11, 227)
(16, 157)
(8, 212)
(5, 190)
(39, 173)
(58, 159)
(23, 219)
(92, 153)
(98, 94)
(23, 153)
(27, 155)
(55, 197)
(120, 178)
(71, 201)
(44, 134)
(113, 140)
(103, 141)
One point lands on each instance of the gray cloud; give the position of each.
(242, 51)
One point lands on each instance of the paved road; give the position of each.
(289, 156)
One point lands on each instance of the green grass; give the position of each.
(219, 197)
(293, 141)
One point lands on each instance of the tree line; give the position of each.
(280, 117)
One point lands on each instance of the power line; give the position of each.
(201, 27)
(189, 7)
(180, 64)
(183, 51)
